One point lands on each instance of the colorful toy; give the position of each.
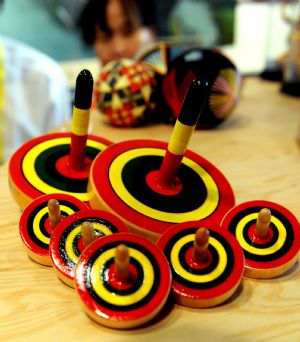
(207, 263)
(152, 185)
(158, 56)
(269, 235)
(124, 92)
(58, 162)
(39, 219)
(224, 85)
(123, 280)
(73, 234)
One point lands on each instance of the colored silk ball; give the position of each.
(124, 93)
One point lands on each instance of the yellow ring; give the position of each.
(198, 278)
(31, 156)
(37, 220)
(114, 298)
(207, 208)
(258, 251)
(180, 138)
(77, 230)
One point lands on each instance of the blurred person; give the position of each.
(118, 28)
(34, 95)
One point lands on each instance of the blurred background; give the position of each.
(250, 32)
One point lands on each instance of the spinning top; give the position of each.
(153, 185)
(39, 219)
(123, 280)
(207, 263)
(73, 234)
(269, 235)
(58, 162)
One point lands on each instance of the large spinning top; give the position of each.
(58, 162)
(152, 185)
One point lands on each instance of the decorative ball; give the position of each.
(222, 75)
(124, 92)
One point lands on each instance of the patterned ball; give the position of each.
(124, 92)
(224, 85)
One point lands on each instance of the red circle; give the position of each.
(290, 254)
(55, 249)
(102, 187)
(130, 316)
(153, 183)
(230, 282)
(16, 174)
(259, 240)
(190, 260)
(116, 283)
(63, 167)
(23, 224)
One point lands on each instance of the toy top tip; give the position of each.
(194, 101)
(84, 90)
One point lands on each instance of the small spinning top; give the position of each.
(207, 265)
(123, 280)
(39, 219)
(77, 232)
(269, 235)
(58, 162)
(152, 185)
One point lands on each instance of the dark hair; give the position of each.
(139, 12)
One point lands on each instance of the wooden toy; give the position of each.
(157, 56)
(74, 233)
(153, 185)
(269, 235)
(58, 162)
(123, 280)
(207, 263)
(39, 219)
(124, 92)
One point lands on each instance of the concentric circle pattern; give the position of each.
(124, 167)
(35, 230)
(66, 243)
(266, 256)
(41, 166)
(129, 304)
(207, 283)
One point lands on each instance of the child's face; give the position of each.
(123, 40)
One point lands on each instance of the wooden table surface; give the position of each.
(257, 151)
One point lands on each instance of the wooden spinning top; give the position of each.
(74, 234)
(207, 264)
(123, 280)
(269, 235)
(39, 219)
(58, 162)
(152, 185)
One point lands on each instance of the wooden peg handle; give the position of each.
(87, 233)
(54, 213)
(263, 223)
(122, 263)
(201, 245)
